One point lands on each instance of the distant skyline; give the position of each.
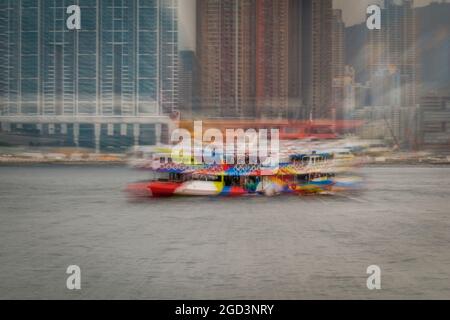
(354, 11)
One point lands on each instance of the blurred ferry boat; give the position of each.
(301, 174)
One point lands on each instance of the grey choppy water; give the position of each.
(260, 248)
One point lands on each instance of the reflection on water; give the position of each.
(254, 247)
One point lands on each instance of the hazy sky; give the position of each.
(186, 24)
(354, 11)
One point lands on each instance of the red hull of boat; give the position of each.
(138, 189)
(163, 189)
(236, 192)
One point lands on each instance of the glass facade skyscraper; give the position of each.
(123, 61)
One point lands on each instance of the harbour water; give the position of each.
(288, 247)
